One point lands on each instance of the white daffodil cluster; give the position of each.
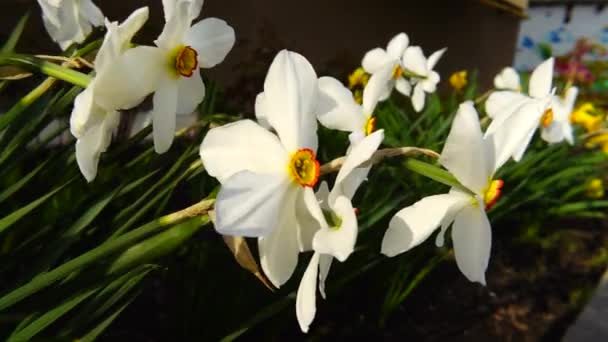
(126, 75)
(268, 170)
(403, 67)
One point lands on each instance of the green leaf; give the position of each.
(23, 181)
(113, 246)
(49, 317)
(101, 327)
(157, 246)
(9, 220)
(13, 39)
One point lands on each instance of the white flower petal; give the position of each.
(261, 108)
(465, 154)
(306, 299)
(507, 79)
(337, 108)
(176, 26)
(164, 110)
(84, 112)
(291, 91)
(513, 134)
(451, 213)
(134, 22)
(542, 79)
(279, 250)
(115, 91)
(324, 265)
(323, 195)
(242, 145)
(92, 143)
(251, 204)
(90, 12)
(310, 218)
(434, 58)
(190, 93)
(414, 61)
(194, 10)
(418, 98)
(397, 45)
(338, 242)
(414, 224)
(375, 60)
(553, 133)
(380, 84)
(212, 38)
(472, 237)
(501, 104)
(430, 83)
(403, 86)
(358, 155)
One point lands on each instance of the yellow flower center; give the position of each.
(370, 125)
(397, 72)
(458, 80)
(186, 61)
(492, 193)
(304, 168)
(547, 118)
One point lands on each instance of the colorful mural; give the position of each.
(559, 28)
(576, 35)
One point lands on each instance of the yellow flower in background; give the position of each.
(458, 80)
(595, 188)
(599, 140)
(358, 79)
(583, 116)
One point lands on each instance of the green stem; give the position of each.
(48, 68)
(433, 172)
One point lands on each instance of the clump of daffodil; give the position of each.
(357, 80)
(595, 188)
(459, 80)
(585, 116)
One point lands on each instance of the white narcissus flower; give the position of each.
(507, 79)
(181, 50)
(95, 114)
(424, 79)
(337, 108)
(385, 67)
(70, 21)
(333, 232)
(265, 177)
(560, 128)
(516, 116)
(470, 159)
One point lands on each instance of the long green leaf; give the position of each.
(50, 316)
(11, 42)
(113, 246)
(9, 220)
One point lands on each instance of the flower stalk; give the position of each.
(48, 68)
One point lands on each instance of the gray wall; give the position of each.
(332, 34)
